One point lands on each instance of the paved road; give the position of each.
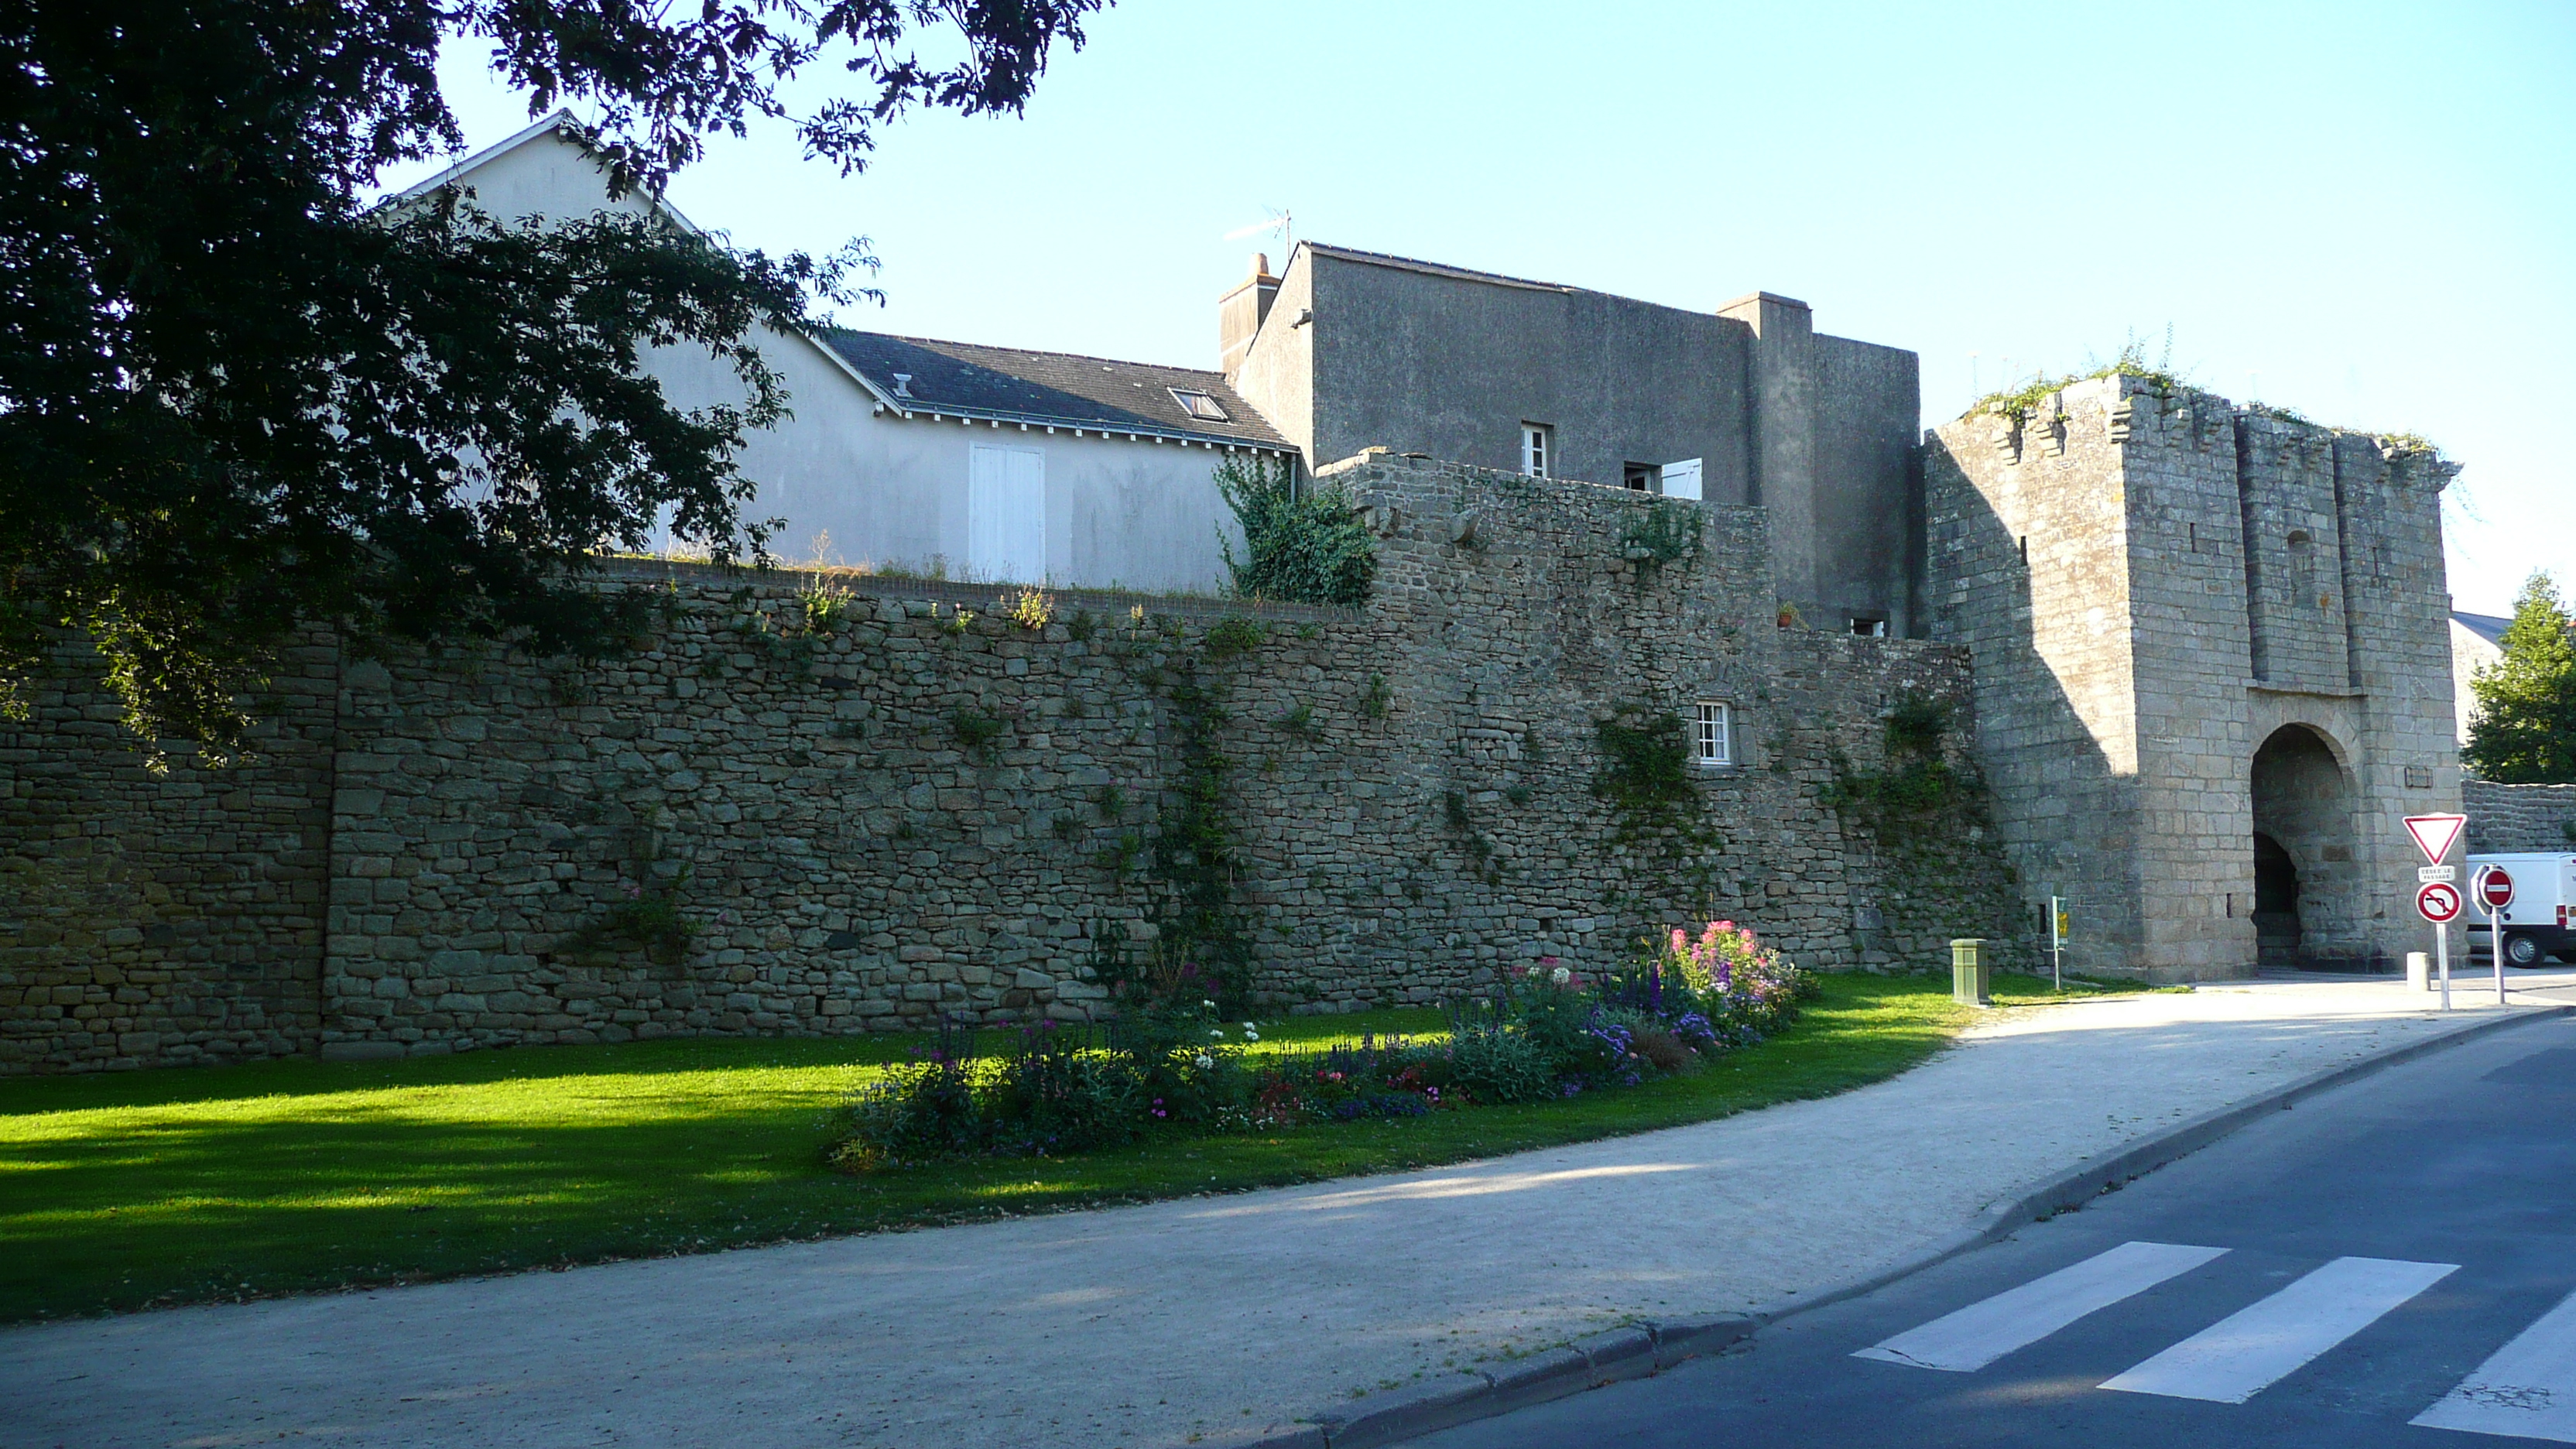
(2393, 1263)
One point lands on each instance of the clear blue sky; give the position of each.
(2364, 212)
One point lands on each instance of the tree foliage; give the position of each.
(1307, 547)
(234, 398)
(2522, 729)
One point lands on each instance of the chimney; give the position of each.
(1240, 313)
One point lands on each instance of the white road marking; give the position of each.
(2527, 1389)
(2235, 1359)
(1982, 1332)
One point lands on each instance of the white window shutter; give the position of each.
(1006, 514)
(1681, 480)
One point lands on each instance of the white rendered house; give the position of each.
(986, 463)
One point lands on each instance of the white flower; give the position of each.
(1206, 1061)
(1210, 1005)
(1217, 1032)
(1561, 975)
(1250, 1035)
(1249, 1025)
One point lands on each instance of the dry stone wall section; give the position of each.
(172, 917)
(769, 819)
(2506, 818)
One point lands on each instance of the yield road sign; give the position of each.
(2495, 888)
(2435, 834)
(2438, 902)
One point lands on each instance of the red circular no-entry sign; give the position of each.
(2438, 902)
(2495, 888)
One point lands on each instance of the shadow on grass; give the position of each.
(203, 1185)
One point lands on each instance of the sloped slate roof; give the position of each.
(962, 379)
(2489, 627)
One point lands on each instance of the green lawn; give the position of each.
(179, 1186)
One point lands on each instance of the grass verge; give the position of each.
(148, 1189)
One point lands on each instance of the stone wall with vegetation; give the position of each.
(801, 806)
(2518, 817)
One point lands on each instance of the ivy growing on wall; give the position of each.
(1916, 803)
(1192, 856)
(647, 915)
(1645, 773)
(1307, 547)
(1663, 534)
(1194, 852)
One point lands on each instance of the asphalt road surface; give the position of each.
(2392, 1263)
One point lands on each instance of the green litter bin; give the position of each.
(1971, 981)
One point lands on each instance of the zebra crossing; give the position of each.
(2526, 1389)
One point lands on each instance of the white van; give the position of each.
(2536, 925)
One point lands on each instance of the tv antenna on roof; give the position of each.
(1280, 221)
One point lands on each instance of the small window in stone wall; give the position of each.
(1538, 450)
(2419, 777)
(1713, 735)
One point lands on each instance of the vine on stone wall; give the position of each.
(648, 915)
(1645, 773)
(1308, 546)
(1920, 808)
(1664, 533)
(1191, 858)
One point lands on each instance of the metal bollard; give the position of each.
(1971, 984)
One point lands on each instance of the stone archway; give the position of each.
(2307, 864)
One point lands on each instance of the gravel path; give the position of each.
(1209, 1320)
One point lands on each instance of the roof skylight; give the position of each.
(1200, 405)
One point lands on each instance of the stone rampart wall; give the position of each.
(923, 807)
(2506, 818)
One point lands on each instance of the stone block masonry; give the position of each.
(2505, 818)
(2211, 661)
(765, 821)
(174, 918)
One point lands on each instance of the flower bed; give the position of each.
(1169, 1065)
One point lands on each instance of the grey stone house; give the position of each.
(1345, 350)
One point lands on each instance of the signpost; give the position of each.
(2438, 901)
(2492, 889)
(2057, 934)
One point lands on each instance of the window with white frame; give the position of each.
(1538, 450)
(1200, 405)
(1713, 735)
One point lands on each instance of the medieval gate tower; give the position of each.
(2212, 669)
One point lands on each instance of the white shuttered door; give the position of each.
(1006, 514)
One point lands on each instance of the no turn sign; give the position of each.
(2438, 901)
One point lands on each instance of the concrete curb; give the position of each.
(1605, 1358)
